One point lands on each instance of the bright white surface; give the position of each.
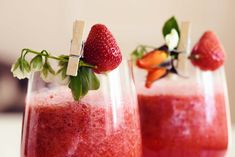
(10, 134)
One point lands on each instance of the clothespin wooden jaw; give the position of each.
(76, 48)
(184, 48)
(184, 43)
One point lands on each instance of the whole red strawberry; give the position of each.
(208, 53)
(101, 49)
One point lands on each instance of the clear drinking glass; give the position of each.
(184, 117)
(103, 123)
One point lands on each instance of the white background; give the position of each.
(47, 24)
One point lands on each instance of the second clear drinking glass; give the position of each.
(103, 123)
(185, 117)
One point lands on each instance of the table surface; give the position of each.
(10, 134)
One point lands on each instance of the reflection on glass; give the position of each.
(184, 117)
(103, 123)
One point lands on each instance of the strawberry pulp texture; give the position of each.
(208, 53)
(73, 129)
(101, 49)
(183, 126)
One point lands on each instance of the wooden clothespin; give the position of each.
(76, 48)
(184, 43)
(184, 48)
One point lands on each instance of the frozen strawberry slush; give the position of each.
(58, 126)
(187, 125)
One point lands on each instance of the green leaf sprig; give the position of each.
(171, 34)
(80, 85)
(85, 80)
(169, 25)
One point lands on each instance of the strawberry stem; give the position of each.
(193, 57)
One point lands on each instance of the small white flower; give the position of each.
(61, 77)
(172, 39)
(62, 81)
(47, 73)
(36, 63)
(21, 69)
(47, 78)
(18, 73)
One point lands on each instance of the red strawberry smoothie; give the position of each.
(183, 124)
(58, 126)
